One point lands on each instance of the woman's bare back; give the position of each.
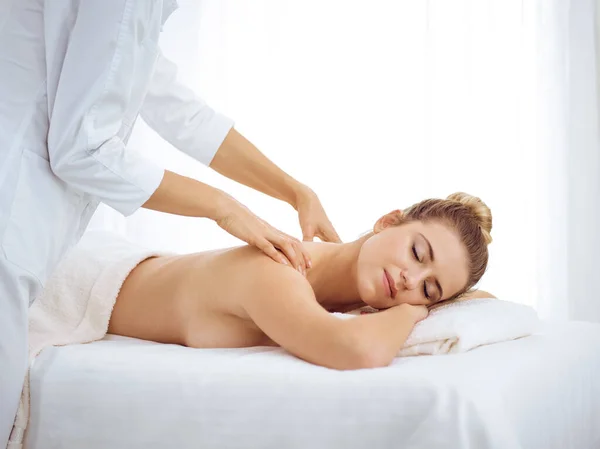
(193, 300)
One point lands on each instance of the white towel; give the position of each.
(77, 301)
(464, 325)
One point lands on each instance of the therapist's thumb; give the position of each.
(308, 235)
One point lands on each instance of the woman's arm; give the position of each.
(284, 307)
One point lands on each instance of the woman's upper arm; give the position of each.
(283, 305)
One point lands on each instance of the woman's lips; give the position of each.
(387, 284)
(390, 284)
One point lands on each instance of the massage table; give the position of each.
(537, 392)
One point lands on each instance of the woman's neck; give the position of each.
(333, 275)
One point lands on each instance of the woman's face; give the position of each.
(416, 263)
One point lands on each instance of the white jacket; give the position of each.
(74, 75)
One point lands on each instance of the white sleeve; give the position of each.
(95, 95)
(180, 117)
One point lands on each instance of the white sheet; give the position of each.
(541, 391)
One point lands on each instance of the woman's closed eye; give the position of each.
(414, 250)
(425, 292)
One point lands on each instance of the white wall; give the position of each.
(377, 105)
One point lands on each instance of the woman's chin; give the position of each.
(372, 297)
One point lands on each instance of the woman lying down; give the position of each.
(412, 261)
(433, 252)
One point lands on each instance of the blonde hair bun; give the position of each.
(480, 211)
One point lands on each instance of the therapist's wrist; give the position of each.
(299, 194)
(221, 205)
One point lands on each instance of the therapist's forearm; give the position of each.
(239, 160)
(181, 195)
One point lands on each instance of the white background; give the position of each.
(377, 105)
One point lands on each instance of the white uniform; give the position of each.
(74, 75)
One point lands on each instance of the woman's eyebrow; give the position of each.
(432, 258)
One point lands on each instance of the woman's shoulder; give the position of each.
(253, 270)
(252, 279)
(257, 262)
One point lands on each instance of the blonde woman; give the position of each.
(433, 252)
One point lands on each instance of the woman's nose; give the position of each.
(412, 278)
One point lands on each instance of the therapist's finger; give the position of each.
(306, 256)
(267, 247)
(328, 237)
(303, 250)
(328, 234)
(308, 234)
(293, 251)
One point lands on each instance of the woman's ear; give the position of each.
(394, 218)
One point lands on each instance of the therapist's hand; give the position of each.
(239, 221)
(313, 219)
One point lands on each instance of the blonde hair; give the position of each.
(470, 218)
(479, 209)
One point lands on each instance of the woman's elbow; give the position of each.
(372, 355)
(346, 346)
(369, 360)
(364, 354)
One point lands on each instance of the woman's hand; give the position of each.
(313, 219)
(417, 313)
(239, 221)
